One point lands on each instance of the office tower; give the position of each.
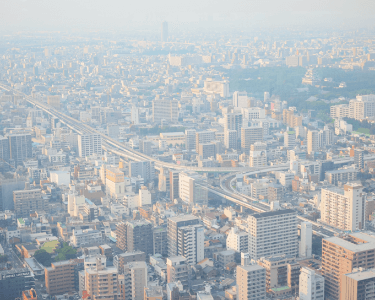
(240, 99)
(164, 31)
(136, 279)
(102, 282)
(28, 201)
(341, 255)
(282, 271)
(190, 143)
(61, 277)
(206, 150)
(145, 147)
(54, 101)
(217, 87)
(145, 169)
(173, 224)
(177, 270)
(311, 285)
(230, 139)
(289, 139)
(359, 284)
(250, 135)
(191, 243)
(89, 144)
(258, 155)
(238, 240)
(358, 159)
(165, 109)
(135, 236)
(115, 182)
(279, 230)
(312, 141)
(160, 240)
(164, 182)
(135, 115)
(121, 260)
(192, 188)
(233, 121)
(305, 246)
(14, 281)
(174, 179)
(20, 148)
(344, 209)
(203, 137)
(251, 282)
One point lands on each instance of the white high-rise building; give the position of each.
(240, 99)
(238, 240)
(273, 233)
(311, 285)
(89, 144)
(362, 107)
(135, 115)
(258, 155)
(251, 282)
(190, 143)
(191, 243)
(144, 197)
(344, 209)
(312, 141)
(191, 188)
(305, 246)
(230, 139)
(233, 121)
(289, 139)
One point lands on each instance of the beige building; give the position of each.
(339, 111)
(251, 282)
(102, 282)
(344, 208)
(362, 107)
(136, 277)
(360, 284)
(153, 293)
(115, 182)
(312, 141)
(250, 135)
(177, 270)
(28, 201)
(165, 109)
(54, 101)
(341, 255)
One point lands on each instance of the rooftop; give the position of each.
(362, 275)
(273, 213)
(368, 244)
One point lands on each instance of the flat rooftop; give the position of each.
(273, 213)
(368, 244)
(362, 275)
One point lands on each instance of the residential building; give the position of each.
(165, 109)
(340, 255)
(358, 159)
(250, 135)
(191, 243)
(312, 141)
(240, 99)
(339, 111)
(341, 176)
(122, 259)
(359, 284)
(217, 87)
(238, 240)
(273, 233)
(190, 143)
(230, 139)
(344, 208)
(89, 144)
(251, 282)
(20, 148)
(311, 285)
(305, 246)
(233, 121)
(145, 169)
(85, 237)
(192, 188)
(289, 139)
(135, 236)
(174, 181)
(28, 201)
(204, 137)
(177, 270)
(160, 240)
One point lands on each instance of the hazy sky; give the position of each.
(123, 14)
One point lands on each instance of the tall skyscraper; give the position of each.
(279, 229)
(164, 31)
(344, 209)
(89, 144)
(174, 224)
(311, 285)
(341, 255)
(251, 282)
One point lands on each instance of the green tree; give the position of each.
(66, 252)
(43, 257)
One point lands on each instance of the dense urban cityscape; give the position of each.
(184, 166)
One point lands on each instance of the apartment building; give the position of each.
(312, 141)
(144, 169)
(250, 135)
(102, 282)
(281, 271)
(191, 188)
(173, 224)
(177, 270)
(230, 139)
(115, 182)
(160, 241)
(122, 259)
(291, 119)
(28, 201)
(273, 233)
(85, 237)
(362, 107)
(20, 148)
(89, 144)
(240, 99)
(311, 285)
(340, 255)
(344, 208)
(238, 240)
(251, 282)
(339, 111)
(217, 87)
(191, 243)
(204, 137)
(233, 121)
(359, 284)
(174, 178)
(165, 109)
(190, 141)
(342, 175)
(290, 139)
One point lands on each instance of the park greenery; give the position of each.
(64, 253)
